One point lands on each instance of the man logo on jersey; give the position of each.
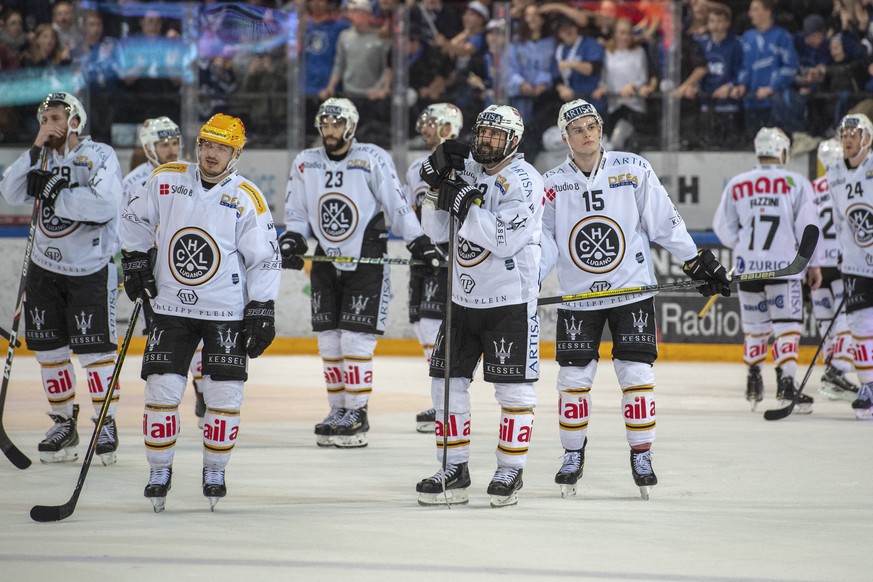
(469, 254)
(597, 244)
(194, 256)
(861, 218)
(52, 225)
(338, 217)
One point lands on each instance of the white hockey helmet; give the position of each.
(502, 117)
(771, 142)
(154, 131)
(441, 114)
(830, 151)
(339, 108)
(69, 102)
(857, 121)
(573, 110)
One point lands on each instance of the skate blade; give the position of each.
(452, 497)
(158, 503)
(108, 458)
(213, 501)
(62, 456)
(568, 490)
(644, 492)
(864, 413)
(507, 501)
(803, 408)
(425, 427)
(354, 441)
(324, 440)
(753, 404)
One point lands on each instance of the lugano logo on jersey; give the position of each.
(194, 256)
(861, 220)
(338, 217)
(597, 244)
(469, 254)
(53, 226)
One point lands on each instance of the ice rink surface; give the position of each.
(739, 498)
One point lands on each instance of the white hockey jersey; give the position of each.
(136, 178)
(80, 235)
(852, 195)
(415, 189)
(828, 244)
(335, 201)
(762, 215)
(597, 229)
(497, 252)
(216, 248)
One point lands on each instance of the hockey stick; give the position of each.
(59, 512)
(447, 355)
(369, 260)
(702, 313)
(12, 452)
(780, 413)
(5, 335)
(804, 253)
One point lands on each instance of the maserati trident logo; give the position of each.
(83, 321)
(640, 320)
(503, 351)
(573, 327)
(430, 289)
(155, 339)
(227, 342)
(359, 304)
(38, 317)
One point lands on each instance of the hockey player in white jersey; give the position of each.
(427, 286)
(72, 283)
(214, 278)
(852, 193)
(602, 211)
(761, 216)
(339, 193)
(497, 198)
(161, 141)
(837, 350)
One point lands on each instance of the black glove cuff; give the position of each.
(260, 309)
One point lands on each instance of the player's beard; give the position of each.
(333, 147)
(57, 143)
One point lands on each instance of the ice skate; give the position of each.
(863, 404)
(213, 486)
(570, 471)
(199, 405)
(107, 441)
(835, 385)
(59, 444)
(351, 430)
(754, 386)
(786, 392)
(160, 482)
(425, 421)
(644, 475)
(504, 486)
(324, 430)
(430, 490)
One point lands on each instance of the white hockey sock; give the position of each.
(160, 428)
(638, 409)
(333, 379)
(358, 376)
(755, 348)
(458, 437)
(99, 376)
(220, 431)
(513, 440)
(574, 406)
(59, 383)
(785, 349)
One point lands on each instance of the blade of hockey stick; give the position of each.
(368, 260)
(780, 413)
(804, 252)
(45, 513)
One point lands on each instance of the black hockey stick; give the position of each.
(804, 253)
(12, 452)
(5, 335)
(447, 354)
(369, 260)
(780, 413)
(59, 512)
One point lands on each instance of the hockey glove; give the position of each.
(45, 185)
(460, 196)
(139, 281)
(705, 267)
(259, 327)
(449, 155)
(291, 246)
(423, 249)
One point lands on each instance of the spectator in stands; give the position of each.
(724, 59)
(96, 56)
(64, 23)
(12, 31)
(266, 84)
(626, 83)
(427, 74)
(323, 27)
(766, 80)
(692, 69)
(578, 63)
(217, 81)
(45, 49)
(813, 54)
(488, 75)
(363, 69)
(696, 19)
(530, 60)
(437, 20)
(845, 76)
(465, 91)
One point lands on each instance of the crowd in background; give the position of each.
(797, 64)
